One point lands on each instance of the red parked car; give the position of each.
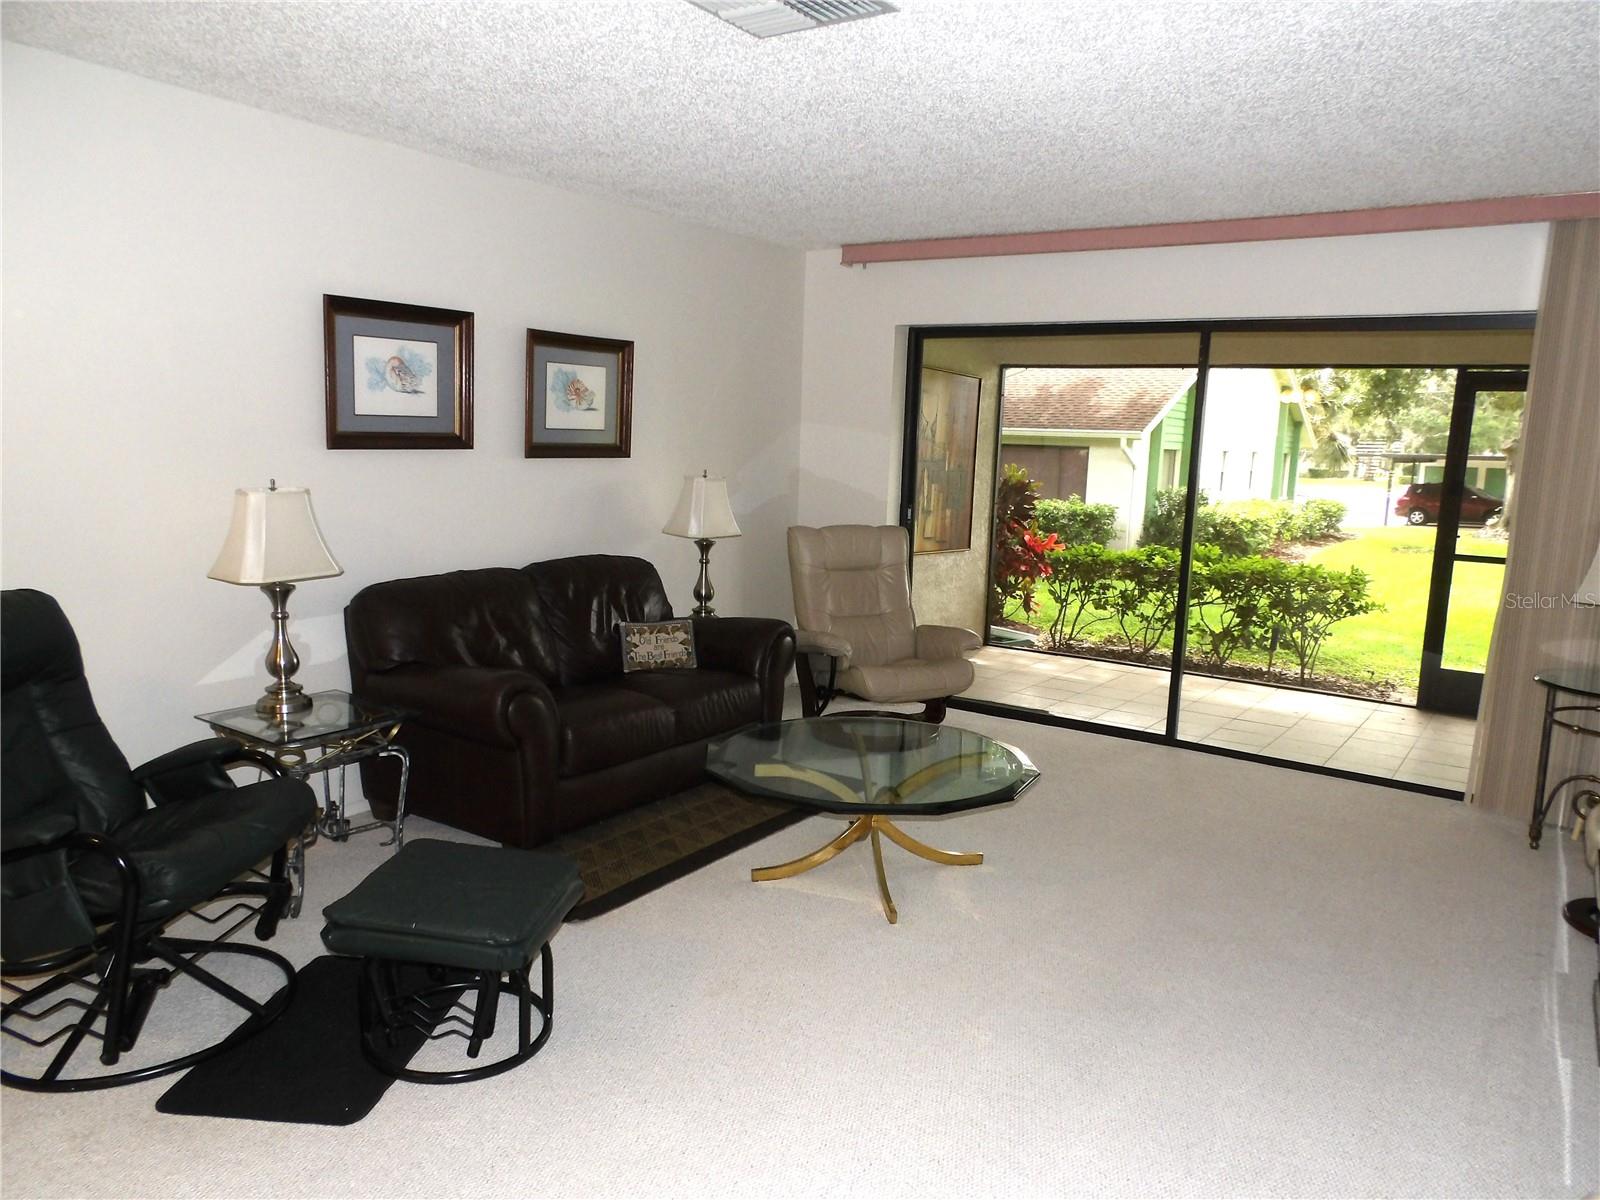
(1419, 504)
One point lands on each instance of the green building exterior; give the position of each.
(1168, 466)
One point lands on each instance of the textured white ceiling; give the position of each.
(949, 117)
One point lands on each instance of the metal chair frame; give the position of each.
(122, 991)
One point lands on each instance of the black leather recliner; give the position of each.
(91, 876)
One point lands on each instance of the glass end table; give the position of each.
(872, 769)
(333, 733)
(1579, 716)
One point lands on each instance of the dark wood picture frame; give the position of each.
(612, 437)
(449, 335)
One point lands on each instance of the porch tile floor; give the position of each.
(1337, 731)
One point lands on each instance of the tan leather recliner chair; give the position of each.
(852, 603)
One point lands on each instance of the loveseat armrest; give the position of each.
(815, 641)
(759, 647)
(742, 645)
(938, 642)
(496, 705)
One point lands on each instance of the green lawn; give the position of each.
(1400, 561)
(1384, 645)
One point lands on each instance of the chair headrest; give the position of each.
(847, 547)
(36, 640)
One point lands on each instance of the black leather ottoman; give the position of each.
(473, 914)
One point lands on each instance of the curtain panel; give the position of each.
(1556, 529)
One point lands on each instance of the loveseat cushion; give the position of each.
(603, 725)
(703, 703)
(489, 617)
(584, 599)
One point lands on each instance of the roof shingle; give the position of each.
(1122, 400)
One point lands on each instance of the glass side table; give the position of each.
(1581, 718)
(333, 733)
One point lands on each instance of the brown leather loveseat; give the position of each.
(525, 725)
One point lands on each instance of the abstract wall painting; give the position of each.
(947, 459)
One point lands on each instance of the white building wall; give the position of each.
(1241, 419)
(1113, 479)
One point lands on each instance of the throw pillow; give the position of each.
(658, 645)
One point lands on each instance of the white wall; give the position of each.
(855, 319)
(165, 260)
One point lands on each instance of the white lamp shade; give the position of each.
(1589, 590)
(273, 539)
(703, 510)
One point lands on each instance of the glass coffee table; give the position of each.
(873, 769)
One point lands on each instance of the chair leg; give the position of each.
(933, 711)
(483, 1014)
(279, 893)
(384, 1009)
(118, 978)
(811, 705)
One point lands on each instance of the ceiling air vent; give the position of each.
(768, 18)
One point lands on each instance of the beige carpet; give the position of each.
(1174, 975)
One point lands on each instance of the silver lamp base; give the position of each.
(282, 705)
(703, 591)
(284, 697)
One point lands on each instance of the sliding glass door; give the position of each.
(1076, 438)
(1278, 539)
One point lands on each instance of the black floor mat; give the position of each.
(306, 1067)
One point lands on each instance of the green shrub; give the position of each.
(1277, 516)
(1234, 533)
(1241, 527)
(1229, 603)
(1317, 519)
(1143, 595)
(1305, 601)
(1163, 519)
(1077, 522)
(1080, 582)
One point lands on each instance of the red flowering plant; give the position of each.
(1019, 547)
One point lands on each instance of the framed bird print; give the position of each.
(398, 376)
(580, 396)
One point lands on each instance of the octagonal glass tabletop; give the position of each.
(871, 764)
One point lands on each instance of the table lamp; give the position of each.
(703, 514)
(273, 543)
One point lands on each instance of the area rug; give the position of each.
(636, 852)
(305, 1068)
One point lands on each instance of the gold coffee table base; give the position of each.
(869, 825)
